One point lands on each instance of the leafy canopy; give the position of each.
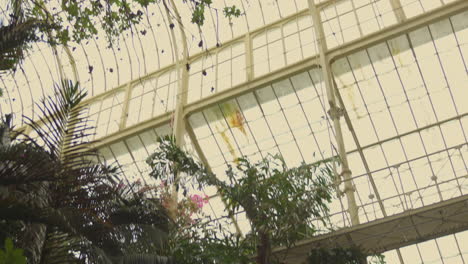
(352, 255)
(76, 21)
(62, 205)
(279, 202)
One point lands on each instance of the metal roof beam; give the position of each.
(398, 29)
(332, 54)
(407, 228)
(334, 113)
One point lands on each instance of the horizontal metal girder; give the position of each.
(337, 52)
(396, 231)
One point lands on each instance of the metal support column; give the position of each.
(249, 70)
(335, 113)
(125, 107)
(398, 9)
(181, 96)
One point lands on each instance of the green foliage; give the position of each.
(198, 15)
(342, 256)
(114, 16)
(62, 206)
(199, 240)
(17, 31)
(70, 20)
(170, 160)
(14, 39)
(209, 242)
(279, 201)
(378, 259)
(231, 11)
(11, 255)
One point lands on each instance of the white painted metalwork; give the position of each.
(398, 70)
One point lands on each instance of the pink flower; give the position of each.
(198, 200)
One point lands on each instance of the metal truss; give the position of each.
(254, 83)
(417, 225)
(393, 232)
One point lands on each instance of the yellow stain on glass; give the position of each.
(229, 145)
(396, 53)
(235, 120)
(234, 117)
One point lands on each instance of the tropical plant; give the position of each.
(11, 255)
(353, 255)
(208, 241)
(196, 239)
(279, 202)
(60, 205)
(17, 30)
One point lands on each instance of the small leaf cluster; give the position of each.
(115, 16)
(11, 255)
(76, 21)
(231, 11)
(353, 255)
(170, 160)
(198, 15)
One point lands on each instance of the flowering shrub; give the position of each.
(187, 206)
(198, 200)
(280, 204)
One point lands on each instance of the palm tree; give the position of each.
(17, 30)
(61, 206)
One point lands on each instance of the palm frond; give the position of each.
(62, 122)
(17, 33)
(17, 8)
(23, 163)
(13, 40)
(73, 208)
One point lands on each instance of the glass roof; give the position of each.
(262, 91)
